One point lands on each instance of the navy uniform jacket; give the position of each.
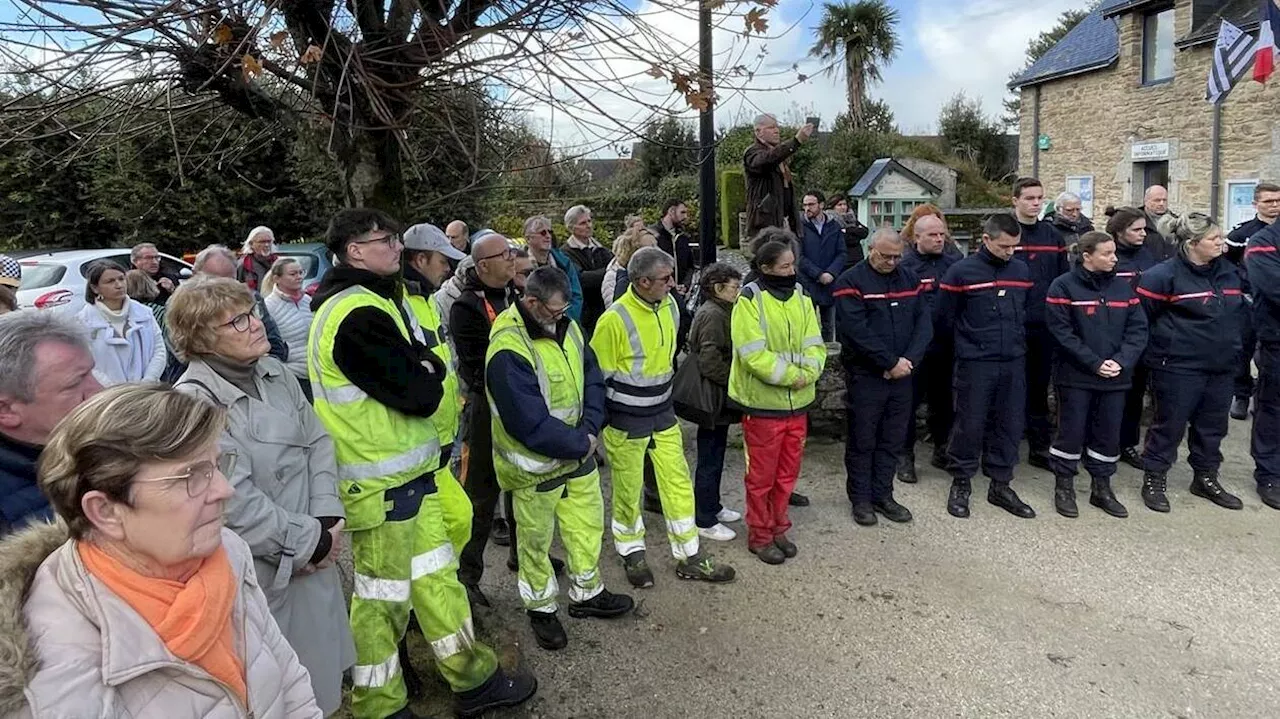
(1195, 315)
(1094, 317)
(1042, 248)
(1262, 258)
(982, 305)
(880, 317)
(1133, 260)
(930, 269)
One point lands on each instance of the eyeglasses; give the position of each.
(888, 257)
(199, 476)
(663, 280)
(505, 254)
(389, 240)
(241, 323)
(556, 314)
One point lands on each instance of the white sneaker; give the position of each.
(718, 532)
(728, 515)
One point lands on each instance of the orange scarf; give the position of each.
(193, 619)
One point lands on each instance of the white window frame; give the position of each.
(1234, 214)
(1077, 189)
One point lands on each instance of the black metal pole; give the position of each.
(708, 208)
(1215, 170)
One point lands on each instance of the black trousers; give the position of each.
(1134, 399)
(1244, 371)
(878, 410)
(1199, 402)
(990, 402)
(1265, 442)
(481, 483)
(1088, 430)
(1039, 373)
(931, 384)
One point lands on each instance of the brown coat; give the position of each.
(769, 201)
(72, 648)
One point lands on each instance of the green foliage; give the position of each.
(733, 199)
(968, 133)
(667, 147)
(682, 187)
(1036, 48)
(732, 145)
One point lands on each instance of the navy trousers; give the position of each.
(1039, 359)
(1088, 430)
(1244, 371)
(931, 384)
(990, 402)
(712, 444)
(1135, 397)
(878, 409)
(1265, 443)
(1201, 402)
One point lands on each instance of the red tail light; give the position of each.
(57, 298)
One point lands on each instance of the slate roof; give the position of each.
(878, 169)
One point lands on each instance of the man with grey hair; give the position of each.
(1068, 218)
(46, 370)
(771, 199)
(542, 249)
(884, 328)
(1155, 202)
(144, 256)
(592, 261)
(635, 345)
(219, 261)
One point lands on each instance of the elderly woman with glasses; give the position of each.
(285, 503)
(139, 602)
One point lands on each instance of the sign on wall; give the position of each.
(1082, 186)
(1149, 151)
(1239, 202)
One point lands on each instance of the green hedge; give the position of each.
(733, 199)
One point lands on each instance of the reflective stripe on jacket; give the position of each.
(635, 344)
(377, 447)
(982, 303)
(1094, 317)
(436, 338)
(775, 343)
(1195, 313)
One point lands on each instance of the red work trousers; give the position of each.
(774, 447)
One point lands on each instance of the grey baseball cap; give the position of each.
(426, 237)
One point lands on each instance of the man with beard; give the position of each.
(1068, 219)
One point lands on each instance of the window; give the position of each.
(1157, 47)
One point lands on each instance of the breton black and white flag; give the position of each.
(1232, 56)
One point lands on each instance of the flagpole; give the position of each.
(1215, 178)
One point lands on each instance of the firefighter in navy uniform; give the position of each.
(1194, 302)
(1042, 248)
(931, 255)
(884, 328)
(982, 305)
(1266, 201)
(1263, 260)
(1100, 331)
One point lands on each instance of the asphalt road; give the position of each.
(1151, 616)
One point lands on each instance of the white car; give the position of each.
(56, 279)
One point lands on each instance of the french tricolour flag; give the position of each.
(1268, 30)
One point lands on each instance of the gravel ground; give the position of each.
(1151, 616)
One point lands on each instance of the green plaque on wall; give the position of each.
(1043, 142)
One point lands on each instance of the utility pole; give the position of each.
(708, 209)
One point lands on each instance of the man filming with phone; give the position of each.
(771, 199)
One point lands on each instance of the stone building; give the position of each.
(1119, 105)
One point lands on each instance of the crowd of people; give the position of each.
(441, 391)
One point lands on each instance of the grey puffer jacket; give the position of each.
(71, 648)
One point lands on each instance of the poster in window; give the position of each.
(1082, 187)
(1239, 202)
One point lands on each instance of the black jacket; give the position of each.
(678, 247)
(1236, 242)
(1069, 230)
(592, 264)
(879, 318)
(930, 269)
(1158, 245)
(1263, 260)
(769, 200)
(470, 319)
(1094, 317)
(372, 352)
(21, 500)
(1195, 315)
(1045, 253)
(982, 305)
(1133, 260)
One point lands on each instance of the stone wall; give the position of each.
(827, 418)
(1093, 118)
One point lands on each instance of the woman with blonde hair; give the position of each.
(285, 502)
(1195, 304)
(139, 602)
(290, 307)
(615, 279)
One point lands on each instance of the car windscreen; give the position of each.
(38, 275)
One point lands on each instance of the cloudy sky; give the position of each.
(948, 46)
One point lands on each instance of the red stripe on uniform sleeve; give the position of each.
(1058, 300)
(1016, 284)
(1252, 250)
(1039, 248)
(847, 292)
(1233, 292)
(1155, 296)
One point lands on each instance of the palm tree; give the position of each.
(864, 36)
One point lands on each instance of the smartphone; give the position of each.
(813, 121)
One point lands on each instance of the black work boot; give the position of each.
(797, 500)
(500, 532)
(605, 605)
(958, 499)
(907, 468)
(1039, 458)
(499, 690)
(1064, 497)
(1003, 496)
(1240, 408)
(702, 568)
(1132, 457)
(892, 511)
(1270, 495)
(548, 631)
(939, 458)
(769, 553)
(638, 572)
(1205, 484)
(788, 547)
(864, 514)
(1153, 488)
(1101, 496)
